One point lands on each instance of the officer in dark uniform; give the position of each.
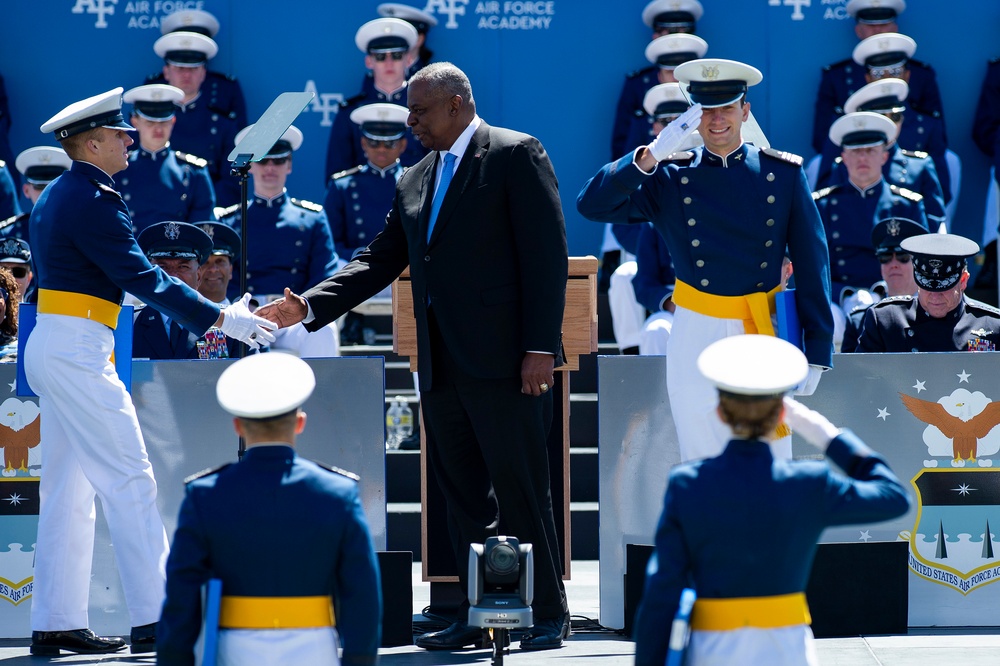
(727, 249)
(941, 317)
(850, 210)
(180, 249)
(358, 199)
(288, 240)
(276, 512)
(163, 184)
(203, 127)
(910, 165)
(38, 166)
(217, 271)
(897, 272)
(842, 79)
(386, 43)
(419, 19)
(749, 609)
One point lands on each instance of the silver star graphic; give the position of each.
(920, 386)
(15, 499)
(13, 385)
(865, 536)
(883, 413)
(964, 377)
(964, 489)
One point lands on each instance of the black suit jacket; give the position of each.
(495, 268)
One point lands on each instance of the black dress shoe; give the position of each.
(82, 641)
(455, 637)
(143, 639)
(546, 634)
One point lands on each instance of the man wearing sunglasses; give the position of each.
(38, 166)
(288, 239)
(358, 199)
(386, 43)
(897, 272)
(842, 79)
(940, 317)
(850, 210)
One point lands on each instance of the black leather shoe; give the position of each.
(546, 634)
(143, 639)
(455, 637)
(82, 641)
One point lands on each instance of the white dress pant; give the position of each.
(693, 399)
(656, 334)
(278, 647)
(785, 646)
(627, 315)
(91, 445)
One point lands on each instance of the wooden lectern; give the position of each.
(579, 337)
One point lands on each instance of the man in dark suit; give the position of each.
(485, 240)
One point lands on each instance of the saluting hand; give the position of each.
(285, 311)
(672, 137)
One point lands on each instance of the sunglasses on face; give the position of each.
(276, 161)
(386, 143)
(901, 257)
(396, 55)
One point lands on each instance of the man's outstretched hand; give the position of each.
(286, 311)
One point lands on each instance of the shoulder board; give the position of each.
(220, 75)
(346, 172)
(226, 212)
(404, 170)
(894, 300)
(191, 159)
(638, 72)
(860, 308)
(337, 470)
(9, 221)
(352, 100)
(205, 472)
(979, 305)
(791, 158)
(913, 62)
(826, 191)
(906, 194)
(839, 63)
(155, 76)
(308, 205)
(682, 156)
(105, 189)
(919, 154)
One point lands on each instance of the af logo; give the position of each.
(449, 8)
(796, 6)
(100, 7)
(952, 542)
(326, 103)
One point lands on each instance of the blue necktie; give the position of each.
(446, 173)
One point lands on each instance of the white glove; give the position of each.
(809, 384)
(672, 137)
(239, 323)
(810, 424)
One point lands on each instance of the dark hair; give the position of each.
(8, 327)
(750, 417)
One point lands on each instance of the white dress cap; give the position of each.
(265, 385)
(755, 365)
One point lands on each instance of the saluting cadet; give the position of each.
(39, 166)
(420, 54)
(163, 184)
(910, 165)
(223, 91)
(842, 79)
(897, 272)
(941, 317)
(288, 240)
(181, 250)
(386, 43)
(851, 210)
(86, 258)
(728, 210)
(751, 606)
(273, 512)
(203, 127)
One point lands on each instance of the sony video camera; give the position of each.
(501, 584)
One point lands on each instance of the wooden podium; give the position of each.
(579, 337)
